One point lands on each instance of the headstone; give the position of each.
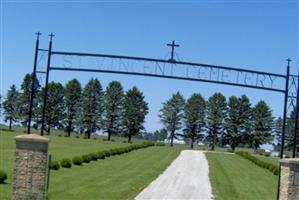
(30, 169)
(289, 179)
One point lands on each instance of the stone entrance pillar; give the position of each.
(30, 169)
(289, 180)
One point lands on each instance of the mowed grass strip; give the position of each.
(115, 178)
(59, 148)
(234, 178)
(272, 160)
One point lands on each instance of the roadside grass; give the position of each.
(234, 178)
(272, 160)
(117, 177)
(59, 148)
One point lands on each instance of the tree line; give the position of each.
(86, 110)
(72, 107)
(232, 122)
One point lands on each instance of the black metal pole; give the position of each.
(296, 121)
(286, 94)
(46, 84)
(285, 109)
(33, 82)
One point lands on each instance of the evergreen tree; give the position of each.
(172, 114)
(134, 111)
(195, 109)
(238, 121)
(290, 130)
(55, 106)
(113, 101)
(72, 102)
(92, 106)
(160, 135)
(216, 114)
(262, 124)
(10, 105)
(24, 99)
(278, 132)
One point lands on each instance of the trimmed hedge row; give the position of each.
(269, 166)
(87, 158)
(3, 176)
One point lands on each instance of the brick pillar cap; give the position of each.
(292, 161)
(32, 138)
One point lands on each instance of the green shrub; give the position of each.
(77, 136)
(54, 165)
(107, 153)
(267, 154)
(105, 139)
(77, 160)
(9, 130)
(112, 140)
(66, 163)
(125, 141)
(66, 135)
(101, 155)
(269, 166)
(86, 158)
(3, 176)
(94, 138)
(59, 135)
(93, 156)
(113, 152)
(229, 150)
(159, 144)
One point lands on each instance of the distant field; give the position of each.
(235, 178)
(112, 178)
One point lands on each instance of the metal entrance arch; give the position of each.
(285, 84)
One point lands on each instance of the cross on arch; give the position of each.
(172, 45)
(51, 36)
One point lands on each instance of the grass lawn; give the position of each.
(234, 178)
(118, 177)
(273, 160)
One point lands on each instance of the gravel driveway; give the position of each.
(187, 178)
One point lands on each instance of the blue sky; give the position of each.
(257, 35)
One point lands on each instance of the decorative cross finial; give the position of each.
(37, 35)
(172, 45)
(51, 36)
(289, 61)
